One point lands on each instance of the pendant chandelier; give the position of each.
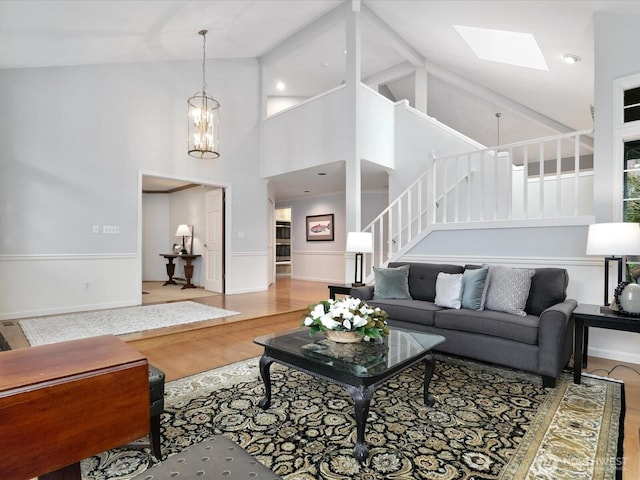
(203, 118)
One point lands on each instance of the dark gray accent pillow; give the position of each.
(548, 287)
(391, 283)
(423, 276)
(474, 288)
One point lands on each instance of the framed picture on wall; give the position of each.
(320, 228)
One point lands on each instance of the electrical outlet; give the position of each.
(113, 229)
(96, 229)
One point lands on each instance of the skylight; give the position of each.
(514, 48)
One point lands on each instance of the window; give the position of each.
(632, 105)
(631, 176)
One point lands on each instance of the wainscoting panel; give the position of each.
(247, 272)
(38, 285)
(318, 266)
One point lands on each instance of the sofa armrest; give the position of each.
(555, 337)
(363, 293)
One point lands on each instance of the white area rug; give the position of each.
(60, 328)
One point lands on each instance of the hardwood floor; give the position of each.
(181, 352)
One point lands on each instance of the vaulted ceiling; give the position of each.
(41, 33)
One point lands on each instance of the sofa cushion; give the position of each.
(474, 288)
(391, 283)
(548, 287)
(495, 324)
(422, 278)
(449, 290)
(414, 311)
(508, 289)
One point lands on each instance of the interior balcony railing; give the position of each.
(542, 179)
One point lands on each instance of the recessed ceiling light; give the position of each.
(280, 86)
(570, 58)
(513, 48)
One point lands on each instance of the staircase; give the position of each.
(543, 181)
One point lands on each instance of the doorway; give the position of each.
(283, 242)
(166, 203)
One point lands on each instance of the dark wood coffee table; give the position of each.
(359, 367)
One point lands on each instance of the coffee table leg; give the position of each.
(430, 366)
(362, 399)
(265, 365)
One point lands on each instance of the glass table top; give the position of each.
(360, 359)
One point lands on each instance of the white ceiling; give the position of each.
(41, 33)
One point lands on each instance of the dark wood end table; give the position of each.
(585, 316)
(343, 289)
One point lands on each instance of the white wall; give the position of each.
(188, 207)
(326, 261)
(321, 261)
(375, 128)
(278, 104)
(416, 135)
(313, 133)
(155, 235)
(89, 131)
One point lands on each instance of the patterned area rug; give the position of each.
(118, 321)
(488, 423)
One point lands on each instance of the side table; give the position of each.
(586, 316)
(343, 289)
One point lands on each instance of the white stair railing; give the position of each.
(545, 178)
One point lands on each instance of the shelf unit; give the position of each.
(283, 247)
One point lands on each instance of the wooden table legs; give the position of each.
(171, 270)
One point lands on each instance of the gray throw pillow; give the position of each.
(391, 283)
(508, 289)
(474, 288)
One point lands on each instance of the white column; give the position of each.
(353, 190)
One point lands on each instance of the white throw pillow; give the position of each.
(449, 290)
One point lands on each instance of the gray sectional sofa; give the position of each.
(538, 340)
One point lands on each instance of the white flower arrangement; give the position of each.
(346, 315)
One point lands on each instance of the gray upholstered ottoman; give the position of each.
(214, 458)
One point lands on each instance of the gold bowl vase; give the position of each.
(343, 337)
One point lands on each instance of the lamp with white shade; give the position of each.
(360, 243)
(184, 231)
(613, 241)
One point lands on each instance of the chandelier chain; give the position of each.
(204, 58)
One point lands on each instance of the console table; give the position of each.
(171, 268)
(65, 402)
